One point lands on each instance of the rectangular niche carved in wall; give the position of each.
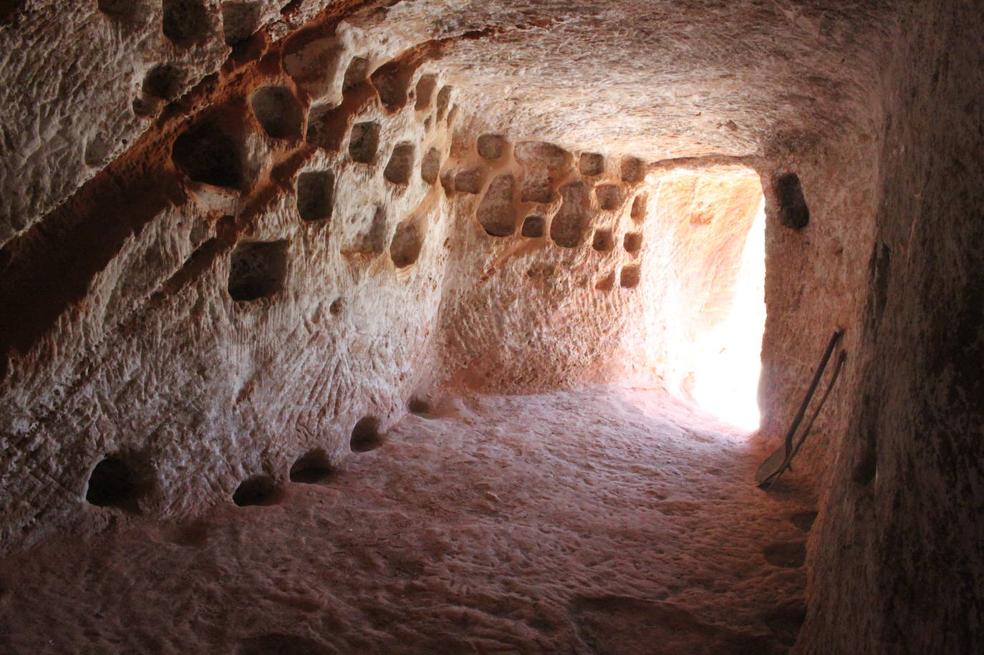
(257, 270)
(315, 190)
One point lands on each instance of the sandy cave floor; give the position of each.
(604, 520)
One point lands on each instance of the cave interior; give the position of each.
(392, 326)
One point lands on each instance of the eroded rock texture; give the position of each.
(239, 240)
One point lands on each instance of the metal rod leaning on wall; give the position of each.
(788, 462)
(773, 466)
(823, 399)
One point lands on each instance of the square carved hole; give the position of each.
(257, 270)
(603, 240)
(793, 210)
(609, 196)
(606, 283)
(534, 226)
(278, 112)
(443, 102)
(392, 82)
(312, 467)
(470, 181)
(591, 163)
(185, 22)
(364, 142)
(400, 164)
(240, 20)
(425, 92)
(430, 167)
(630, 277)
(355, 74)
(408, 240)
(491, 146)
(208, 155)
(632, 170)
(258, 490)
(164, 81)
(366, 435)
(315, 195)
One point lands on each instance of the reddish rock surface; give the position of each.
(239, 239)
(607, 520)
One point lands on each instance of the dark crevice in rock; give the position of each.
(470, 181)
(281, 644)
(278, 111)
(425, 92)
(534, 226)
(785, 622)
(803, 520)
(496, 213)
(365, 435)
(609, 196)
(364, 142)
(257, 490)
(117, 481)
(603, 240)
(572, 221)
(418, 406)
(391, 82)
(164, 81)
(257, 270)
(793, 211)
(491, 146)
(443, 100)
(315, 195)
(606, 283)
(206, 154)
(240, 20)
(590, 164)
(430, 166)
(185, 22)
(400, 164)
(789, 555)
(312, 467)
(123, 10)
(632, 170)
(878, 269)
(638, 211)
(866, 450)
(408, 241)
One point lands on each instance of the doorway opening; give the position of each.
(709, 314)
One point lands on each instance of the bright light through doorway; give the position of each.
(728, 361)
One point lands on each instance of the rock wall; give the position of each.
(545, 283)
(897, 565)
(241, 235)
(290, 253)
(817, 281)
(255, 277)
(575, 267)
(81, 85)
